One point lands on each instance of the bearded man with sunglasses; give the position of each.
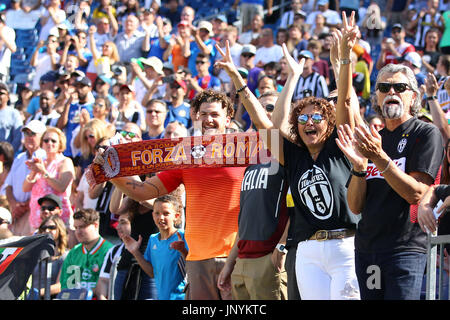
(396, 166)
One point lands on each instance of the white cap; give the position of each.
(414, 58)
(36, 126)
(206, 25)
(155, 63)
(5, 214)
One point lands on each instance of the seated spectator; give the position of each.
(11, 120)
(54, 226)
(18, 199)
(44, 61)
(53, 175)
(320, 66)
(86, 257)
(161, 258)
(155, 116)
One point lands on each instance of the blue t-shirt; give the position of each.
(146, 136)
(73, 122)
(210, 43)
(170, 283)
(155, 47)
(33, 106)
(180, 114)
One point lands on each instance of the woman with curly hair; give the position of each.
(322, 227)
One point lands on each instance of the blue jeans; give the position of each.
(148, 286)
(391, 275)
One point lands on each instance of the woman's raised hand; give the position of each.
(350, 32)
(293, 66)
(226, 63)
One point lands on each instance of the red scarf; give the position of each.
(137, 158)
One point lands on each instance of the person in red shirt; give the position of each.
(394, 47)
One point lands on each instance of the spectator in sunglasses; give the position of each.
(50, 205)
(55, 175)
(54, 226)
(401, 161)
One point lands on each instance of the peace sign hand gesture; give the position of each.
(226, 63)
(350, 32)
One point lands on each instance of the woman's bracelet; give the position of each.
(29, 180)
(387, 167)
(241, 89)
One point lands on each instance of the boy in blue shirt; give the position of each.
(165, 251)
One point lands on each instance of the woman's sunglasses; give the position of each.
(48, 140)
(45, 228)
(131, 135)
(316, 118)
(385, 87)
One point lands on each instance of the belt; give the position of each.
(322, 235)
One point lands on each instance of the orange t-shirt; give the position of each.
(212, 208)
(177, 57)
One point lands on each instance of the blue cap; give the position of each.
(48, 77)
(322, 2)
(105, 79)
(306, 54)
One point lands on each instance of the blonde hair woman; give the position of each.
(54, 175)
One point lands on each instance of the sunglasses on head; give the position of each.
(49, 208)
(48, 140)
(127, 133)
(45, 228)
(385, 87)
(316, 118)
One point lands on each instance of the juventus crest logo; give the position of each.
(316, 193)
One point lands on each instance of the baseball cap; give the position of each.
(78, 73)
(414, 58)
(182, 84)
(53, 198)
(50, 76)
(183, 23)
(322, 2)
(243, 72)
(306, 54)
(105, 79)
(222, 18)
(4, 87)
(248, 48)
(155, 63)
(5, 214)
(206, 25)
(127, 86)
(397, 26)
(35, 126)
(84, 81)
(300, 13)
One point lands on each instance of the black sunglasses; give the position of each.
(49, 208)
(332, 99)
(385, 87)
(48, 140)
(45, 228)
(269, 107)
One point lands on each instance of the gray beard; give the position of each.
(393, 111)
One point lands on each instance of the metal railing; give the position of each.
(433, 242)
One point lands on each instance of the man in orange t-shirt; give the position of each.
(212, 202)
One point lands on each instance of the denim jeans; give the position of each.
(148, 286)
(390, 275)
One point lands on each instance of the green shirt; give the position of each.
(445, 40)
(81, 268)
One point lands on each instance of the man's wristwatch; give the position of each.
(432, 98)
(280, 247)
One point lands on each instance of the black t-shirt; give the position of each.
(318, 189)
(415, 146)
(141, 224)
(263, 212)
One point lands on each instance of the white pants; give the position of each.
(325, 270)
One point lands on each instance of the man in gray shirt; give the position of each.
(129, 42)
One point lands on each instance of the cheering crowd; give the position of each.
(353, 101)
